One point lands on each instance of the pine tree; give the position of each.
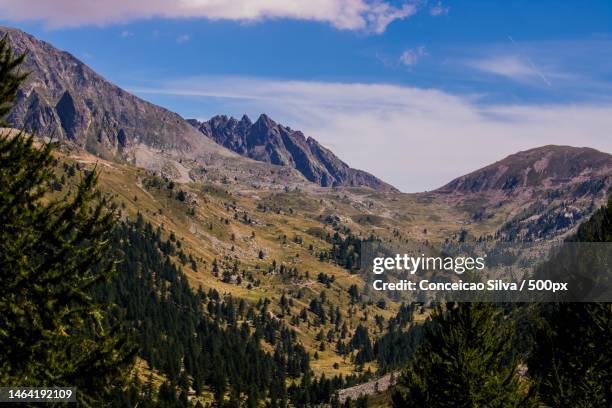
(465, 361)
(52, 253)
(570, 360)
(10, 78)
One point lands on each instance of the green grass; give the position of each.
(295, 213)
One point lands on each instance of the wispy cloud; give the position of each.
(412, 55)
(183, 38)
(510, 66)
(513, 67)
(367, 15)
(417, 139)
(439, 10)
(126, 34)
(516, 65)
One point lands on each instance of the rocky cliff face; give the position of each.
(267, 141)
(65, 99)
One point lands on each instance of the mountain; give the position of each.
(66, 99)
(270, 142)
(544, 167)
(278, 262)
(544, 191)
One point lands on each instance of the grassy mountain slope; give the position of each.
(256, 244)
(217, 226)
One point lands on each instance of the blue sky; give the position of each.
(415, 92)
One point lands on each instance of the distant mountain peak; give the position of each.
(268, 141)
(546, 166)
(544, 191)
(265, 118)
(246, 120)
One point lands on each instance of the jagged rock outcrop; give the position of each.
(267, 141)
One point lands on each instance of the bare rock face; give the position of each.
(41, 117)
(65, 99)
(267, 141)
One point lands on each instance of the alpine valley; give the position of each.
(256, 228)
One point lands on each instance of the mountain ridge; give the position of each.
(268, 141)
(546, 191)
(65, 99)
(549, 166)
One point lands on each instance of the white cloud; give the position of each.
(416, 139)
(411, 56)
(126, 33)
(439, 10)
(369, 15)
(513, 67)
(382, 14)
(509, 66)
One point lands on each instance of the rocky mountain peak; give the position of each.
(245, 120)
(65, 99)
(268, 141)
(562, 168)
(265, 121)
